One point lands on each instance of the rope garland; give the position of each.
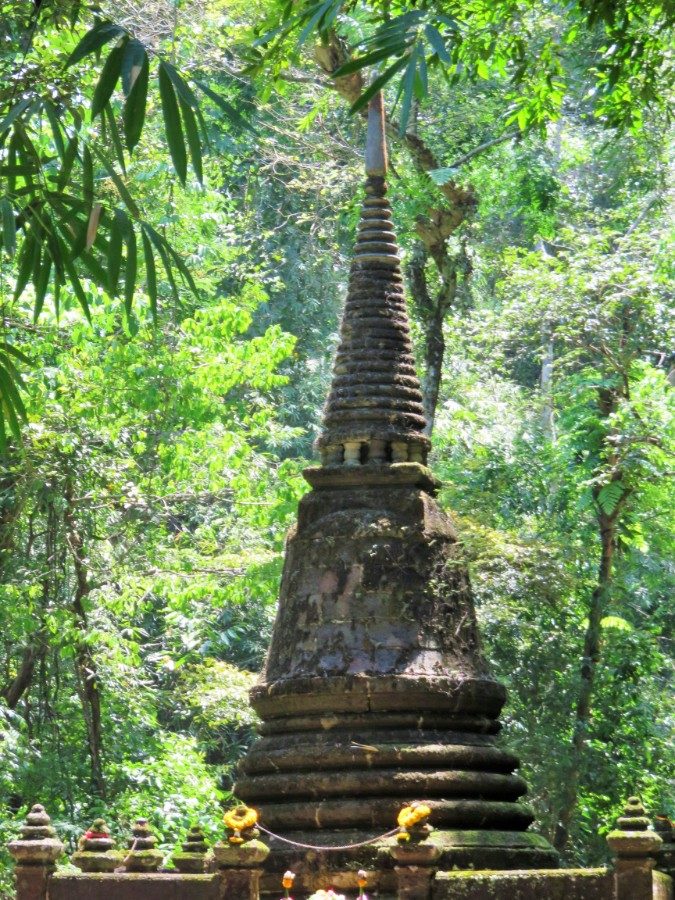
(325, 848)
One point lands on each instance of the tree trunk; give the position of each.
(89, 682)
(32, 654)
(589, 666)
(431, 312)
(546, 387)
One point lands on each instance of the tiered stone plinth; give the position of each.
(192, 855)
(35, 853)
(96, 850)
(142, 855)
(375, 693)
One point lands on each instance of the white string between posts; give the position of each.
(319, 848)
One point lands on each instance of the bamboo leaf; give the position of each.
(74, 280)
(192, 134)
(183, 89)
(378, 84)
(368, 59)
(408, 88)
(232, 114)
(12, 405)
(134, 108)
(134, 54)
(8, 226)
(26, 255)
(172, 125)
(56, 127)
(92, 225)
(150, 274)
(107, 80)
(131, 269)
(87, 176)
(93, 40)
(115, 137)
(117, 229)
(68, 161)
(41, 284)
(164, 256)
(437, 43)
(122, 189)
(14, 114)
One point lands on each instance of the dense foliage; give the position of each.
(154, 442)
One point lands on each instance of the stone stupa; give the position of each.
(375, 692)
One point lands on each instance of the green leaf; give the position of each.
(192, 134)
(232, 114)
(117, 230)
(134, 108)
(11, 405)
(150, 274)
(41, 284)
(378, 84)
(408, 87)
(8, 226)
(609, 496)
(122, 189)
(437, 43)
(68, 161)
(26, 256)
(107, 80)
(115, 136)
(77, 287)
(56, 127)
(442, 176)
(164, 256)
(14, 114)
(172, 126)
(131, 266)
(87, 176)
(314, 20)
(93, 40)
(134, 54)
(368, 59)
(183, 89)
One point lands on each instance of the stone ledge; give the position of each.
(544, 884)
(134, 886)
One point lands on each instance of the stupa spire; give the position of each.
(374, 413)
(374, 693)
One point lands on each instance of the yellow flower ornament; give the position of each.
(410, 816)
(239, 819)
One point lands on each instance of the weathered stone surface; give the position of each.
(138, 887)
(662, 886)
(556, 884)
(192, 855)
(37, 844)
(375, 692)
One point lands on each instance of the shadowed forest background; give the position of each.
(151, 464)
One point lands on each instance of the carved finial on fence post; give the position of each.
(35, 852)
(96, 850)
(240, 856)
(192, 858)
(634, 846)
(142, 856)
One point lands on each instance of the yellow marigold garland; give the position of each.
(239, 819)
(410, 816)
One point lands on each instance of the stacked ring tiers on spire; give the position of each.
(374, 411)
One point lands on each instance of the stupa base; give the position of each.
(337, 868)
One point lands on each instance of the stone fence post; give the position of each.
(35, 852)
(634, 846)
